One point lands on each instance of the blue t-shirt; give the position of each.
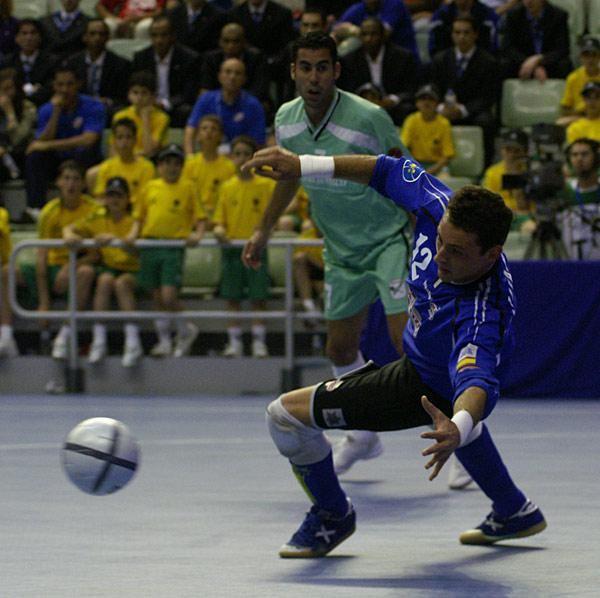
(457, 335)
(394, 15)
(245, 116)
(89, 115)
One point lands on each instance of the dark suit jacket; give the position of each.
(114, 78)
(477, 88)
(184, 74)
(41, 74)
(400, 76)
(67, 43)
(272, 34)
(257, 78)
(518, 44)
(203, 34)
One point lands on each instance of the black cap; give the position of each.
(117, 185)
(589, 44)
(589, 87)
(515, 137)
(428, 91)
(171, 150)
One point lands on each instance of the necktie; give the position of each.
(94, 82)
(257, 16)
(461, 65)
(27, 68)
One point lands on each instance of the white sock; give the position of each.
(258, 332)
(163, 330)
(6, 332)
(235, 334)
(99, 334)
(132, 335)
(64, 331)
(309, 305)
(362, 436)
(183, 327)
(340, 370)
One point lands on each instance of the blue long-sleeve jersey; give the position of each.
(457, 335)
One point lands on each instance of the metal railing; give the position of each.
(71, 315)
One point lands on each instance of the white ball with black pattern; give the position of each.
(100, 455)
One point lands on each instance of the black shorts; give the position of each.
(377, 399)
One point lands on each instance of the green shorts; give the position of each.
(161, 267)
(349, 289)
(29, 276)
(239, 282)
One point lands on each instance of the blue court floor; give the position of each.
(213, 501)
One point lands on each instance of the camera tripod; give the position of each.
(546, 242)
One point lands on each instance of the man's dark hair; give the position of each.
(481, 212)
(143, 79)
(161, 18)
(97, 20)
(315, 40)
(66, 68)
(33, 23)
(246, 140)
(71, 165)
(378, 22)
(127, 123)
(468, 19)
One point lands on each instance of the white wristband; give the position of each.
(464, 422)
(320, 167)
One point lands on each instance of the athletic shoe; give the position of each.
(8, 347)
(233, 349)
(97, 352)
(350, 450)
(527, 521)
(458, 476)
(131, 355)
(259, 349)
(184, 342)
(319, 534)
(162, 349)
(60, 347)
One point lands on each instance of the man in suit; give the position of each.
(196, 24)
(536, 41)
(34, 64)
(103, 74)
(64, 29)
(467, 77)
(232, 44)
(387, 66)
(176, 68)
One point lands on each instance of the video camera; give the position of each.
(544, 178)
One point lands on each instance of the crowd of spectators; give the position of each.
(218, 70)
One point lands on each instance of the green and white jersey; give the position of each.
(355, 219)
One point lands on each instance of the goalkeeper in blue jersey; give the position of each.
(366, 240)
(461, 306)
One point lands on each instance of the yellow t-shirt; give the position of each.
(159, 124)
(5, 243)
(100, 222)
(168, 210)
(54, 217)
(428, 141)
(584, 127)
(241, 205)
(492, 180)
(136, 173)
(314, 251)
(575, 83)
(207, 177)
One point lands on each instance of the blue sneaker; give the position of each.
(319, 534)
(527, 521)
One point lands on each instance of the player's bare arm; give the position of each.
(281, 165)
(282, 196)
(446, 433)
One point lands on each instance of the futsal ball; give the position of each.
(100, 455)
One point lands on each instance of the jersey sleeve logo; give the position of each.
(411, 172)
(467, 357)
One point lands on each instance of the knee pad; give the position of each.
(301, 444)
